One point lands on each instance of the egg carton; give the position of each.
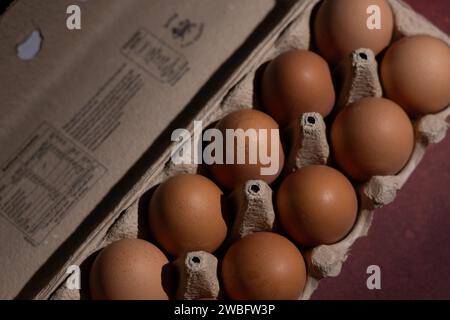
(198, 271)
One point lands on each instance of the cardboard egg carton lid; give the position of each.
(82, 107)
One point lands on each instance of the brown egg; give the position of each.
(129, 269)
(263, 266)
(341, 26)
(296, 82)
(185, 215)
(316, 205)
(372, 137)
(234, 174)
(415, 73)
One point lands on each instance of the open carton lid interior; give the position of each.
(80, 107)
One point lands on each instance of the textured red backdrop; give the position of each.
(410, 238)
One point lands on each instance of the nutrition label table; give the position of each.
(43, 180)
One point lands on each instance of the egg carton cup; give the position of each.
(198, 271)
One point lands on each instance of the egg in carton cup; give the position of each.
(253, 201)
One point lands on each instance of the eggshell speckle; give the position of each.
(129, 269)
(316, 205)
(415, 73)
(340, 27)
(263, 266)
(232, 175)
(372, 137)
(296, 82)
(186, 214)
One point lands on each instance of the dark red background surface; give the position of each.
(410, 238)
